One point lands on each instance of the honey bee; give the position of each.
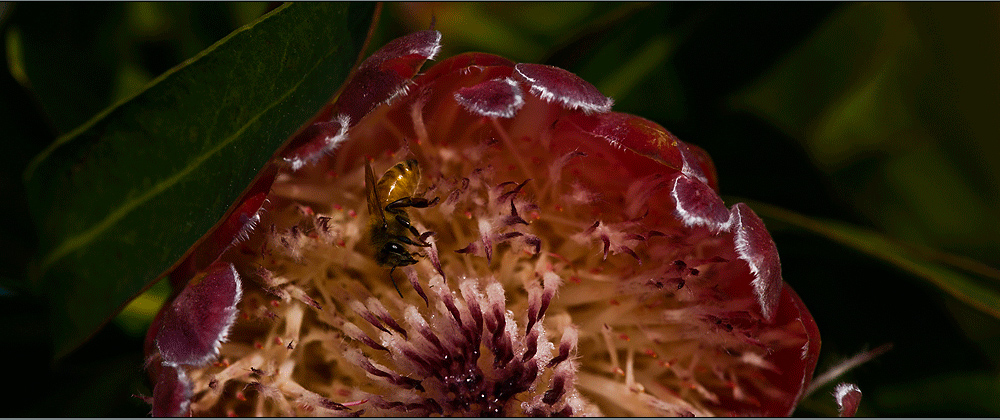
(388, 222)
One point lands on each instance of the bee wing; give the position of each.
(374, 202)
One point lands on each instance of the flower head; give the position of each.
(569, 260)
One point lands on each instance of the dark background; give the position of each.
(879, 115)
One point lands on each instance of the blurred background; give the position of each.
(864, 134)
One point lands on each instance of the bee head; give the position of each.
(396, 255)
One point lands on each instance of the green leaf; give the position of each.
(120, 199)
(969, 281)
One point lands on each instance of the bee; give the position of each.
(388, 222)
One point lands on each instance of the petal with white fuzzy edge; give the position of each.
(325, 138)
(555, 84)
(848, 398)
(386, 74)
(198, 320)
(171, 394)
(493, 98)
(698, 205)
(755, 246)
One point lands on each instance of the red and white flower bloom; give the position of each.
(581, 262)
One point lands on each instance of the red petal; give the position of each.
(320, 139)
(625, 131)
(698, 205)
(754, 245)
(466, 63)
(848, 398)
(198, 320)
(172, 393)
(555, 84)
(797, 365)
(238, 224)
(492, 98)
(386, 73)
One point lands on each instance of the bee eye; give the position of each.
(393, 248)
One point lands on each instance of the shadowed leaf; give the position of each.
(121, 198)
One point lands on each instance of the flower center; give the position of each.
(554, 280)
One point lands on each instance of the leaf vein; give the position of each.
(77, 241)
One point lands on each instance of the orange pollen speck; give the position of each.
(623, 337)
(649, 352)
(240, 396)
(277, 340)
(258, 345)
(352, 213)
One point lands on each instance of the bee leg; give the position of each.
(398, 204)
(420, 202)
(394, 281)
(408, 241)
(405, 222)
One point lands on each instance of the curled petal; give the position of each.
(555, 84)
(324, 137)
(754, 245)
(492, 98)
(698, 205)
(172, 393)
(848, 398)
(798, 366)
(691, 162)
(647, 139)
(386, 74)
(197, 322)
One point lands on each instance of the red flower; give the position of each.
(576, 261)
